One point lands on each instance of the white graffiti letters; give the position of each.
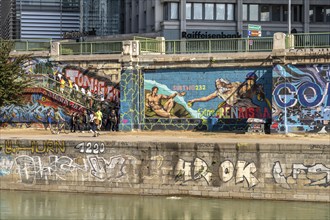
(187, 171)
(318, 174)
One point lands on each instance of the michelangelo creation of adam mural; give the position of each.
(200, 94)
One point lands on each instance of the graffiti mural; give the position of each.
(301, 98)
(85, 78)
(187, 99)
(317, 175)
(234, 94)
(33, 111)
(188, 171)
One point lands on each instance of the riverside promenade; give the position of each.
(169, 136)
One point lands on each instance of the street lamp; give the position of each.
(289, 17)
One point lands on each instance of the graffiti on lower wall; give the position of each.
(198, 169)
(317, 175)
(47, 146)
(301, 98)
(50, 161)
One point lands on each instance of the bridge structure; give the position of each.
(214, 85)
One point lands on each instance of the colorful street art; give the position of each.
(222, 97)
(227, 93)
(301, 98)
(82, 77)
(33, 112)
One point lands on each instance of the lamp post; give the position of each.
(289, 17)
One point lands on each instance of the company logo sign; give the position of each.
(206, 35)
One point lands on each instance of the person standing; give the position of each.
(113, 120)
(58, 118)
(49, 118)
(99, 117)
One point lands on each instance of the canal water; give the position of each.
(67, 206)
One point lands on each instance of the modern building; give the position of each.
(102, 17)
(31, 19)
(176, 19)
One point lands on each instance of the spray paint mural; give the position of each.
(33, 112)
(227, 94)
(301, 98)
(82, 77)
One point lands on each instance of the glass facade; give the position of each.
(102, 17)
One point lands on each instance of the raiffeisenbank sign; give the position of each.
(206, 35)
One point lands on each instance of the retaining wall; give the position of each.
(251, 171)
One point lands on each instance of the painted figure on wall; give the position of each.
(235, 93)
(161, 104)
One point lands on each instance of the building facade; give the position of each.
(35, 19)
(102, 17)
(177, 19)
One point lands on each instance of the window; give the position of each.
(311, 15)
(245, 12)
(327, 14)
(264, 13)
(230, 12)
(276, 13)
(221, 11)
(198, 11)
(319, 14)
(174, 11)
(209, 11)
(188, 11)
(253, 12)
(297, 13)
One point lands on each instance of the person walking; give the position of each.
(58, 118)
(85, 121)
(99, 117)
(92, 119)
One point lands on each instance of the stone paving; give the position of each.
(170, 136)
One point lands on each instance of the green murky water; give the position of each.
(67, 206)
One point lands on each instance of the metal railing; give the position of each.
(312, 40)
(65, 91)
(85, 48)
(150, 45)
(219, 45)
(32, 45)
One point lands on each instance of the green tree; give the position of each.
(13, 80)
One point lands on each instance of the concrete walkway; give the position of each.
(170, 136)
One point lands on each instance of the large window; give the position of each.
(264, 13)
(209, 11)
(188, 11)
(221, 11)
(198, 11)
(230, 12)
(174, 11)
(276, 13)
(319, 13)
(254, 12)
(245, 12)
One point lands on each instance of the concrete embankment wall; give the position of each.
(252, 171)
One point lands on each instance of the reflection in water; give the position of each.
(45, 205)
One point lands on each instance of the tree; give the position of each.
(13, 80)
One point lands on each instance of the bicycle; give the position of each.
(62, 127)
